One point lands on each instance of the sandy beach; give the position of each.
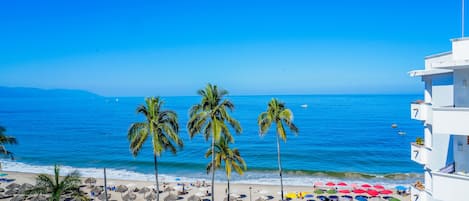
(257, 191)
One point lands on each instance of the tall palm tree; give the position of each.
(231, 158)
(210, 118)
(161, 125)
(4, 139)
(56, 187)
(278, 114)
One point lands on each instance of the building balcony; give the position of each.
(418, 153)
(450, 186)
(420, 111)
(451, 120)
(417, 194)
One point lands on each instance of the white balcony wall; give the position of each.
(450, 187)
(461, 88)
(450, 120)
(460, 49)
(418, 153)
(439, 152)
(417, 195)
(428, 136)
(428, 89)
(442, 89)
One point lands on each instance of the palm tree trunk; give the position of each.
(156, 179)
(228, 190)
(213, 164)
(279, 166)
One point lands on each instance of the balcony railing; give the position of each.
(417, 194)
(450, 186)
(418, 153)
(420, 111)
(451, 120)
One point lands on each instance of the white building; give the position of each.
(444, 113)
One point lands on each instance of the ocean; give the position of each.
(341, 138)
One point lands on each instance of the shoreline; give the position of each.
(258, 178)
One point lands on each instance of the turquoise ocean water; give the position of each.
(342, 137)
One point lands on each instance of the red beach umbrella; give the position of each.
(377, 186)
(372, 193)
(359, 191)
(354, 185)
(318, 183)
(386, 192)
(341, 184)
(366, 185)
(330, 184)
(344, 191)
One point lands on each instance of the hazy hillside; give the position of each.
(35, 92)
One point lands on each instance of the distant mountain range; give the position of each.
(35, 92)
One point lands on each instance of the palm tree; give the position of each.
(230, 157)
(161, 125)
(52, 184)
(277, 113)
(210, 117)
(4, 139)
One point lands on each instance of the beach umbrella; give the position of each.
(90, 180)
(194, 198)
(171, 197)
(330, 184)
(11, 192)
(121, 189)
(18, 198)
(341, 184)
(260, 199)
(2, 190)
(169, 188)
(151, 196)
(366, 185)
(318, 183)
(3, 174)
(359, 191)
(39, 198)
(129, 197)
(344, 191)
(103, 196)
(231, 199)
(25, 187)
(372, 193)
(334, 198)
(399, 188)
(354, 185)
(97, 190)
(377, 186)
(12, 186)
(143, 191)
(386, 192)
(346, 197)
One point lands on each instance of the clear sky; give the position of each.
(172, 47)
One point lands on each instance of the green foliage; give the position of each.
(4, 140)
(318, 191)
(55, 186)
(211, 118)
(419, 141)
(161, 125)
(331, 191)
(278, 114)
(230, 158)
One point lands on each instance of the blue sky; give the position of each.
(142, 48)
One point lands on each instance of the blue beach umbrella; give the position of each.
(178, 179)
(309, 195)
(401, 188)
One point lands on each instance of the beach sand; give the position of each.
(220, 188)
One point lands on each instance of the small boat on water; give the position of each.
(401, 132)
(304, 106)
